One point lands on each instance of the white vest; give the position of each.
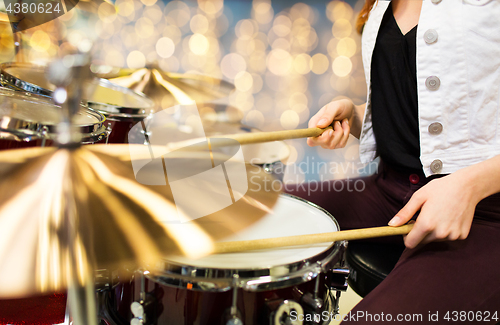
(458, 80)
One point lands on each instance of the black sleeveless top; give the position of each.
(394, 95)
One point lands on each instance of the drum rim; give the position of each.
(26, 130)
(135, 113)
(11, 81)
(253, 279)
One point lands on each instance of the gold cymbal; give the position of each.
(70, 211)
(167, 88)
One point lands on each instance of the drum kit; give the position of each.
(254, 287)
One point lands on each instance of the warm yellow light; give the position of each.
(281, 43)
(165, 47)
(306, 37)
(40, 41)
(154, 13)
(254, 118)
(125, 8)
(332, 47)
(262, 12)
(279, 62)
(148, 2)
(258, 83)
(319, 63)
(198, 44)
(136, 60)
(106, 12)
(302, 10)
(211, 7)
(346, 47)
(339, 10)
(114, 58)
(289, 119)
(243, 81)
(199, 24)
(342, 28)
(246, 29)
(257, 62)
(282, 25)
(301, 63)
(178, 13)
(174, 33)
(144, 27)
(245, 47)
(232, 64)
(342, 66)
(243, 100)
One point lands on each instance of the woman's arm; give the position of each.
(348, 119)
(447, 204)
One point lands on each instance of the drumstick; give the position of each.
(257, 137)
(327, 237)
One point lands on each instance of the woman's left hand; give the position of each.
(446, 205)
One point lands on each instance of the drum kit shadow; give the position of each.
(73, 214)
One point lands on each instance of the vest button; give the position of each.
(436, 166)
(432, 83)
(435, 128)
(430, 36)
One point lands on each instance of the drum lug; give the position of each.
(108, 132)
(337, 278)
(314, 303)
(336, 275)
(312, 299)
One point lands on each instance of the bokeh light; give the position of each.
(285, 59)
(136, 60)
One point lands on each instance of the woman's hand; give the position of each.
(341, 111)
(446, 205)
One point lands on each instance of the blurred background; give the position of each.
(286, 58)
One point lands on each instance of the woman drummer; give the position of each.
(433, 116)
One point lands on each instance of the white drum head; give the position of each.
(291, 217)
(40, 110)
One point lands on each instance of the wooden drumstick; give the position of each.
(258, 137)
(278, 242)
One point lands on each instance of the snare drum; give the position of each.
(277, 286)
(28, 121)
(121, 106)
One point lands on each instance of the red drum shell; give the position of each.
(200, 294)
(27, 120)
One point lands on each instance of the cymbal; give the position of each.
(168, 88)
(66, 211)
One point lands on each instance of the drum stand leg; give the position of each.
(44, 135)
(137, 307)
(234, 318)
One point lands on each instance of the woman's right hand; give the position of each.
(341, 111)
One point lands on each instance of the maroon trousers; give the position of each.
(444, 282)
